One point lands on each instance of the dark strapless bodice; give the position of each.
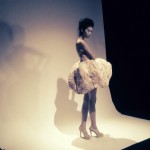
(82, 52)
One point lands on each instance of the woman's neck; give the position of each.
(82, 38)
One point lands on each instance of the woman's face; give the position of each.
(87, 32)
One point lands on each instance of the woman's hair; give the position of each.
(83, 24)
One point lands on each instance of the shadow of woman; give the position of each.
(104, 143)
(67, 117)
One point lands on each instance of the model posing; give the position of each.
(85, 30)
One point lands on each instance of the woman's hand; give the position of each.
(84, 58)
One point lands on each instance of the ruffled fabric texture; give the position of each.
(87, 75)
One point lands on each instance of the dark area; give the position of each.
(127, 36)
(144, 145)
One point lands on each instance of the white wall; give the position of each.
(35, 63)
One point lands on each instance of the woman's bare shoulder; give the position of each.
(80, 42)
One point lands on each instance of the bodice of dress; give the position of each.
(82, 52)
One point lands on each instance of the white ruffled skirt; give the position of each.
(87, 75)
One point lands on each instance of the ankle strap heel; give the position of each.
(96, 131)
(85, 134)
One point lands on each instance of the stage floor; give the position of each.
(119, 132)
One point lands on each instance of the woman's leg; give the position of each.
(85, 107)
(92, 108)
(92, 111)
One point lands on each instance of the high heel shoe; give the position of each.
(98, 134)
(85, 134)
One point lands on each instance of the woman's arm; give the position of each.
(84, 50)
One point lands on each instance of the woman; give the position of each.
(85, 30)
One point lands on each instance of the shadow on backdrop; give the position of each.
(20, 74)
(67, 118)
(104, 143)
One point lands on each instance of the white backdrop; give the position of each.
(37, 50)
